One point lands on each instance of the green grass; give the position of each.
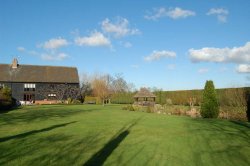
(87, 134)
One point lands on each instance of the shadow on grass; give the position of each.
(101, 156)
(29, 114)
(227, 139)
(34, 132)
(245, 124)
(8, 110)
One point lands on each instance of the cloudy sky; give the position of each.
(173, 45)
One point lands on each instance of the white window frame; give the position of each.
(29, 85)
(52, 95)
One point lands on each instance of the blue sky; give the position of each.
(172, 45)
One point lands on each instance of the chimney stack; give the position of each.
(14, 64)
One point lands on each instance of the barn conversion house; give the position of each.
(39, 84)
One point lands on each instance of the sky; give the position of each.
(167, 44)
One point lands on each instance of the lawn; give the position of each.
(96, 135)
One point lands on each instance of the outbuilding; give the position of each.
(144, 97)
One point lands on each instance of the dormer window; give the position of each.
(29, 87)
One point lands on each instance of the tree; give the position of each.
(118, 84)
(101, 88)
(6, 101)
(209, 105)
(233, 103)
(86, 90)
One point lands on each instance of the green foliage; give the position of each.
(130, 107)
(169, 102)
(210, 105)
(69, 100)
(123, 98)
(92, 100)
(232, 101)
(178, 97)
(150, 109)
(6, 101)
(248, 105)
(73, 101)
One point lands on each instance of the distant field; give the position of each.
(92, 134)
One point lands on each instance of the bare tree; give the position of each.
(100, 88)
(85, 86)
(233, 103)
(192, 101)
(118, 84)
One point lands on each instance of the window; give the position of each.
(28, 97)
(52, 95)
(1, 85)
(29, 87)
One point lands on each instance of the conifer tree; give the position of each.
(210, 104)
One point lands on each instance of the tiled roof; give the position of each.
(144, 92)
(32, 73)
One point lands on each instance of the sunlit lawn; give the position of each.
(96, 135)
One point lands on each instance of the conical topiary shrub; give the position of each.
(210, 104)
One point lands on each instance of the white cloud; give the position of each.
(54, 57)
(29, 52)
(119, 28)
(156, 55)
(220, 13)
(135, 66)
(174, 13)
(217, 11)
(54, 43)
(180, 13)
(203, 70)
(125, 44)
(95, 39)
(243, 68)
(21, 49)
(227, 55)
(171, 66)
(157, 13)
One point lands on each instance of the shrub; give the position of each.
(169, 102)
(75, 101)
(122, 98)
(6, 101)
(248, 106)
(91, 100)
(209, 105)
(129, 107)
(150, 109)
(69, 100)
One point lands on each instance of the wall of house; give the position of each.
(41, 92)
(43, 89)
